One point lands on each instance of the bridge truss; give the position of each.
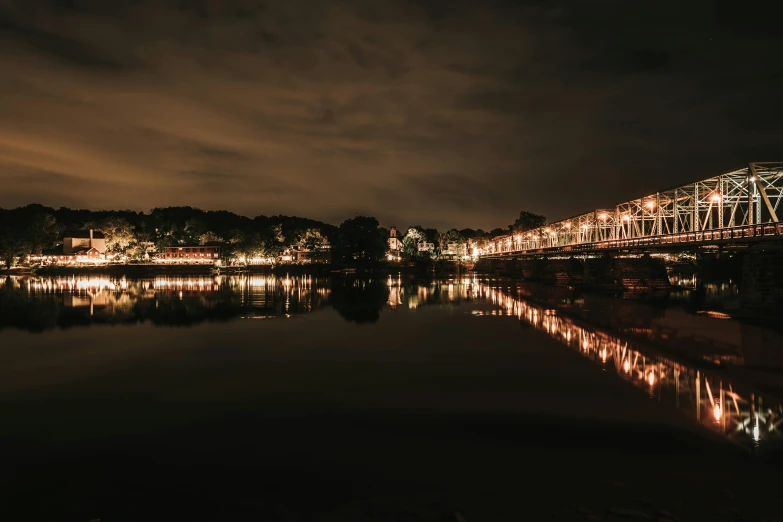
(737, 205)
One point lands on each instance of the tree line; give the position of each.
(36, 229)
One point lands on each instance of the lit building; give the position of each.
(395, 245)
(195, 254)
(81, 247)
(424, 246)
(84, 240)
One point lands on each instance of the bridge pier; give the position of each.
(761, 290)
(603, 274)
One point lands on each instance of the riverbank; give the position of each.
(437, 268)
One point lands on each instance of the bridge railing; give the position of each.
(744, 203)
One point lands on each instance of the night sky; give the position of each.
(441, 113)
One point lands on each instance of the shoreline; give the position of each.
(140, 270)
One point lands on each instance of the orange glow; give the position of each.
(717, 411)
(627, 366)
(715, 198)
(651, 378)
(626, 218)
(603, 217)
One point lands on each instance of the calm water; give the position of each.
(254, 393)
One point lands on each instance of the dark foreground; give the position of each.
(423, 412)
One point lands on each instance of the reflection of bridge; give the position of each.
(736, 207)
(706, 396)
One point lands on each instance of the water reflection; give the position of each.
(708, 396)
(38, 304)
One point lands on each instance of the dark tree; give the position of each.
(361, 239)
(527, 221)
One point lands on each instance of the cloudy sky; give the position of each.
(441, 113)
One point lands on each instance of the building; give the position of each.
(424, 246)
(455, 251)
(84, 240)
(192, 255)
(79, 247)
(394, 253)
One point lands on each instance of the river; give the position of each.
(388, 398)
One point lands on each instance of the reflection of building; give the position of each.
(202, 254)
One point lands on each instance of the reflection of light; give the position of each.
(603, 355)
(584, 344)
(651, 378)
(717, 412)
(756, 432)
(568, 336)
(627, 366)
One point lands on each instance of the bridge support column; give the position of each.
(761, 291)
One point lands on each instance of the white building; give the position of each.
(424, 246)
(83, 241)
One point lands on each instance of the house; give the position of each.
(394, 253)
(194, 254)
(79, 247)
(84, 240)
(424, 246)
(454, 250)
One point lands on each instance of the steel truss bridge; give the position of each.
(739, 206)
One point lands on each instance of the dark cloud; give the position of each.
(445, 113)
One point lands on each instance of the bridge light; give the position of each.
(603, 217)
(650, 205)
(585, 226)
(715, 198)
(568, 225)
(554, 234)
(625, 217)
(752, 179)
